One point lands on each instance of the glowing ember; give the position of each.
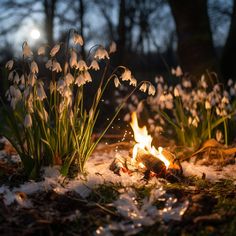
(144, 142)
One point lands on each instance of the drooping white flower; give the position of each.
(195, 122)
(43, 115)
(77, 39)
(41, 51)
(60, 85)
(94, 65)
(126, 76)
(73, 59)
(16, 78)
(49, 64)
(11, 76)
(69, 79)
(151, 90)
(26, 50)
(230, 82)
(187, 83)
(190, 120)
(101, 53)
(22, 79)
(87, 77)
(203, 82)
(34, 67)
(176, 92)
(52, 87)
(80, 80)
(55, 50)
(9, 64)
(112, 48)
(178, 71)
(82, 66)
(28, 121)
(117, 82)
(225, 100)
(207, 105)
(32, 79)
(41, 95)
(133, 82)
(143, 87)
(56, 66)
(219, 135)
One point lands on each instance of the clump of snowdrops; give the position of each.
(192, 114)
(47, 121)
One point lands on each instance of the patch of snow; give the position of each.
(211, 172)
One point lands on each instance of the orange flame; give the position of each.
(144, 141)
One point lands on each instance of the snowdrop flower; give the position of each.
(207, 105)
(195, 122)
(41, 50)
(69, 79)
(28, 121)
(55, 50)
(133, 82)
(151, 90)
(187, 84)
(41, 95)
(203, 82)
(143, 87)
(176, 92)
(77, 39)
(232, 91)
(34, 67)
(190, 120)
(9, 64)
(117, 82)
(16, 78)
(52, 87)
(60, 85)
(56, 66)
(80, 80)
(87, 77)
(43, 115)
(11, 76)
(73, 59)
(219, 135)
(126, 76)
(49, 64)
(112, 48)
(67, 93)
(101, 53)
(225, 100)
(32, 79)
(230, 82)
(94, 65)
(82, 65)
(178, 71)
(22, 79)
(26, 50)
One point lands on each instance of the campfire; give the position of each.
(146, 157)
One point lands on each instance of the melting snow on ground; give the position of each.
(134, 214)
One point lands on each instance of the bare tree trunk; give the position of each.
(195, 44)
(81, 18)
(49, 10)
(228, 64)
(121, 31)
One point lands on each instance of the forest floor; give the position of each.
(201, 202)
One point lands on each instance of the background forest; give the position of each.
(151, 35)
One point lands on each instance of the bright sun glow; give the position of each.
(35, 34)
